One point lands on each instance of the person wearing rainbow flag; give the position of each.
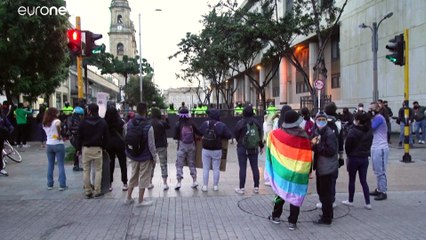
(288, 163)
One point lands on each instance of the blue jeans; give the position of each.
(379, 158)
(420, 125)
(252, 156)
(56, 151)
(401, 133)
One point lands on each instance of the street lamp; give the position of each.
(374, 48)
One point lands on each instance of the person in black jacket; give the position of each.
(160, 126)
(251, 154)
(213, 131)
(115, 146)
(357, 147)
(326, 164)
(92, 139)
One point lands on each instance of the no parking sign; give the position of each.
(318, 84)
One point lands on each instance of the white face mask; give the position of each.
(360, 108)
(356, 122)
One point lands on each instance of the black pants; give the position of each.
(325, 192)
(121, 155)
(278, 210)
(1, 151)
(21, 130)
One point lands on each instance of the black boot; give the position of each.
(381, 196)
(374, 193)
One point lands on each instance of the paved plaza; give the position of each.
(29, 211)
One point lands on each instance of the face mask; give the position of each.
(356, 122)
(321, 123)
(360, 108)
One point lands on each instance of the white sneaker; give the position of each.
(334, 205)
(4, 173)
(256, 190)
(145, 203)
(367, 206)
(347, 203)
(240, 191)
(318, 205)
(165, 187)
(151, 186)
(204, 188)
(129, 201)
(26, 146)
(194, 184)
(178, 185)
(215, 188)
(268, 184)
(49, 188)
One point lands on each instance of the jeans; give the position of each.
(401, 133)
(211, 158)
(57, 152)
(379, 158)
(420, 125)
(360, 165)
(252, 156)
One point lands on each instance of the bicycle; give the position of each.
(9, 152)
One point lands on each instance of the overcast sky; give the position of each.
(161, 30)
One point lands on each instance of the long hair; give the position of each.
(49, 116)
(112, 118)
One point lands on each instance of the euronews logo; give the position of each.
(42, 10)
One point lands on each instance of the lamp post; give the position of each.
(374, 47)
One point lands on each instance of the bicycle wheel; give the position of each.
(11, 153)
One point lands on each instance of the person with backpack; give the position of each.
(73, 122)
(160, 126)
(6, 128)
(92, 139)
(307, 123)
(213, 131)
(249, 135)
(185, 131)
(141, 150)
(115, 146)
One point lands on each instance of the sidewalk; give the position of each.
(29, 211)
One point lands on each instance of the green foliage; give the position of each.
(69, 154)
(33, 53)
(150, 91)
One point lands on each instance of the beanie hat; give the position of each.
(321, 114)
(291, 119)
(284, 109)
(248, 111)
(330, 108)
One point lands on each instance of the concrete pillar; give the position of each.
(262, 79)
(283, 76)
(246, 89)
(313, 55)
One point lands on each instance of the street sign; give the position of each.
(318, 84)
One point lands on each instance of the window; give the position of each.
(289, 5)
(119, 19)
(120, 49)
(335, 50)
(302, 55)
(275, 91)
(335, 81)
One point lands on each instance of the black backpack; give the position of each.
(135, 139)
(210, 139)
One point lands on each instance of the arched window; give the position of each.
(119, 19)
(120, 49)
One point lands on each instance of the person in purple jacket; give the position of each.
(379, 152)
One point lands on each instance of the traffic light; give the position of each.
(91, 47)
(74, 41)
(396, 47)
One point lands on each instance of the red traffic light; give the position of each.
(74, 41)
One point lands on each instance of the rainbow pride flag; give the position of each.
(288, 162)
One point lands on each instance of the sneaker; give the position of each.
(215, 188)
(334, 205)
(347, 203)
(77, 169)
(151, 186)
(62, 188)
(125, 187)
(89, 196)
(268, 184)
(26, 146)
(165, 187)
(375, 192)
(292, 226)
(194, 184)
(99, 195)
(178, 185)
(256, 190)
(129, 201)
(4, 173)
(49, 188)
(240, 191)
(381, 196)
(274, 220)
(322, 222)
(367, 206)
(145, 203)
(318, 205)
(204, 188)
(110, 189)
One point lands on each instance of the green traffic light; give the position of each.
(392, 59)
(99, 49)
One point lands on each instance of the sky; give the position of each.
(161, 30)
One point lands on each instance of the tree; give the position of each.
(33, 53)
(150, 91)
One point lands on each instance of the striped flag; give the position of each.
(288, 163)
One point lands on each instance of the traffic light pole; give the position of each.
(406, 158)
(79, 63)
